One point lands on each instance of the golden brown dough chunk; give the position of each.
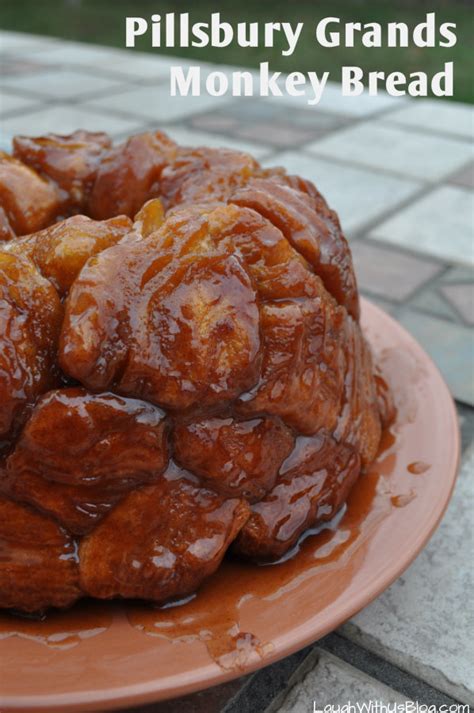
(177, 331)
(70, 161)
(80, 452)
(313, 483)
(150, 217)
(29, 202)
(235, 458)
(30, 320)
(60, 251)
(38, 566)
(160, 542)
(302, 376)
(276, 269)
(301, 213)
(202, 174)
(6, 230)
(130, 175)
(78, 508)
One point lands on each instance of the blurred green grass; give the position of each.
(103, 22)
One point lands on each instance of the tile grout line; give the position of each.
(289, 671)
(313, 152)
(384, 671)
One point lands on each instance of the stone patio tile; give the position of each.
(462, 297)
(125, 63)
(81, 54)
(439, 224)
(321, 122)
(64, 119)
(385, 147)
(464, 177)
(148, 66)
(430, 300)
(458, 274)
(188, 137)
(262, 121)
(10, 103)
(273, 127)
(334, 682)
(438, 116)
(58, 83)
(155, 104)
(423, 622)
(214, 121)
(332, 100)
(450, 345)
(359, 196)
(24, 42)
(384, 304)
(466, 424)
(279, 134)
(389, 273)
(16, 65)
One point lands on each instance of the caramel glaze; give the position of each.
(195, 381)
(60, 251)
(30, 320)
(70, 163)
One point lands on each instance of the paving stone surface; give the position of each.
(332, 100)
(423, 623)
(386, 147)
(81, 54)
(452, 118)
(450, 345)
(431, 300)
(334, 682)
(462, 297)
(389, 273)
(270, 124)
(464, 177)
(13, 103)
(11, 65)
(23, 42)
(281, 134)
(63, 118)
(61, 84)
(458, 274)
(360, 196)
(439, 224)
(154, 104)
(190, 137)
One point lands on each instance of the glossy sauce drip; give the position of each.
(418, 467)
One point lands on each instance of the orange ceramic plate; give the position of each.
(106, 655)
